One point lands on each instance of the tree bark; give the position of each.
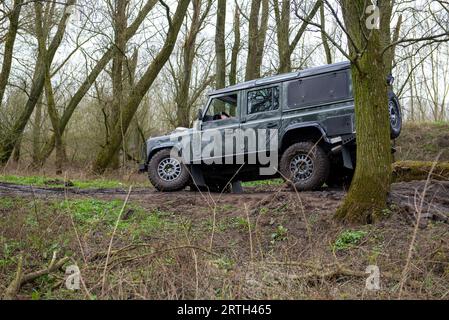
(220, 48)
(326, 47)
(103, 158)
(367, 195)
(257, 31)
(235, 48)
(120, 24)
(37, 134)
(283, 29)
(9, 46)
(285, 48)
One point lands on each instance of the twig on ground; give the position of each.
(21, 279)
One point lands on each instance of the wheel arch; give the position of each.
(313, 132)
(161, 147)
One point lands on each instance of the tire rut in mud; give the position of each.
(431, 199)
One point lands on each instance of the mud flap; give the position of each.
(197, 176)
(237, 187)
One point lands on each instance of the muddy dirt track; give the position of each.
(432, 199)
(269, 242)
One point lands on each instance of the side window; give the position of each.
(319, 89)
(263, 100)
(222, 108)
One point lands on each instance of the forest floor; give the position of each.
(267, 243)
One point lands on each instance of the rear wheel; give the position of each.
(167, 172)
(395, 118)
(305, 165)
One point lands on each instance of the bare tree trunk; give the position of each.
(54, 119)
(41, 35)
(9, 46)
(258, 25)
(11, 138)
(285, 48)
(141, 88)
(90, 79)
(367, 195)
(120, 24)
(37, 133)
(182, 99)
(326, 47)
(16, 153)
(235, 48)
(220, 48)
(283, 30)
(131, 148)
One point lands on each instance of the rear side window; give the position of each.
(263, 100)
(318, 89)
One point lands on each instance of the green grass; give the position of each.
(7, 203)
(348, 239)
(40, 181)
(272, 182)
(95, 214)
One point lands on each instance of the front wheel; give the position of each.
(167, 172)
(305, 165)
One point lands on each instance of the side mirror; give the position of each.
(200, 115)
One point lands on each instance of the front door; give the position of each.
(220, 123)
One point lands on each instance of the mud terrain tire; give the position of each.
(160, 175)
(311, 163)
(395, 118)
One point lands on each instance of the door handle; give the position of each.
(272, 125)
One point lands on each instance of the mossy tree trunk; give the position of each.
(141, 88)
(9, 46)
(326, 46)
(220, 48)
(42, 32)
(120, 23)
(367, 195)
(37, 122)
(257, 31)
(235, 47)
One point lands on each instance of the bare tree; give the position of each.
(285, 48)
(140, 89)
(235, 47)
(92, 76)
(258, 25)
(42, 35)
(326, 46)
(9, 46)
(11, 138)
(220, 47)
(183, 97)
